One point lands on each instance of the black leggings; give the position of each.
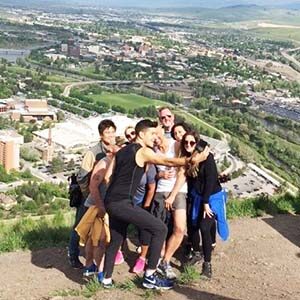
(208, 234)
(123, 213)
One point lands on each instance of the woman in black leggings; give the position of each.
(203, 184)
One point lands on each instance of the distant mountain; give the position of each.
(148, 3)
(213, 10)
(295, 5)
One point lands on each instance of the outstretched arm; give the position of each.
(147, 155)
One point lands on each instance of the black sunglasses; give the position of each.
(166, 116)
(130, 134)
(191, 143)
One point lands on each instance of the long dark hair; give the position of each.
(182, 148)
(180, 124)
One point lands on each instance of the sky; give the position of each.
(182, 3)
(154, 3)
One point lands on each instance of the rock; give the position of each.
(7, 202)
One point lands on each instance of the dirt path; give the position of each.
(261, 261)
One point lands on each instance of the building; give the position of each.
(78, 134)
(32, 110)
(64, 48)
(3, 107)
(10, 142)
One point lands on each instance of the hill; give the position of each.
(260, 261)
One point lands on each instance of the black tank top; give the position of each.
(126, 175)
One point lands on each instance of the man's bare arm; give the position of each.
(109, 171)
(95, 180)
(149, 194)
(147, 155)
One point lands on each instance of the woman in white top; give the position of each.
(170, 199)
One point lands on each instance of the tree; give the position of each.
(57, 165)
(60, 116)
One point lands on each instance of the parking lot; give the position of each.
(249, 184)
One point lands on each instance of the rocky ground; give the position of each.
(260, 261)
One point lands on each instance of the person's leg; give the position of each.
(88, 250)
(118, 231)
(145, 240)
(137, 216)
(205, 226)
(195, 238)
(213, 232)
(179, 225)
(173, 243)
(74, 239)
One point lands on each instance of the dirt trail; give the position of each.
(261, 261)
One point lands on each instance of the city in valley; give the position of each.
(231, 73)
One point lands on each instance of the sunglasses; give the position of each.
(191, 143)
(165, 117)
(130, 134)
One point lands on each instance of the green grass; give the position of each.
(256, 207)
(33, 234)
(19, 70)
(189, 275)
(91, 288)
(59, 79)
(292, 34)
(128, 101)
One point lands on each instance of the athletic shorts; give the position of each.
(158, 205)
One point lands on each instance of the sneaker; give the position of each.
(154, 282)
(139, 266)
(195, 259)
(166, 270)
(91, 270)
(206, 270)
(108, 285)
(100, 276)
(119, 258)
(75, 262)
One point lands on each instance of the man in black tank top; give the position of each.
(126, 172)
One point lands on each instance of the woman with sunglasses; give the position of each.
(208, 200)
(130, 134)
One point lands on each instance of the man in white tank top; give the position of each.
(170, 200)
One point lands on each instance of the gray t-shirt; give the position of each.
(148, 178)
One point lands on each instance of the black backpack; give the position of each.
(75, 194)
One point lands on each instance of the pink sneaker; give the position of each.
(139, 266)
(119, 258)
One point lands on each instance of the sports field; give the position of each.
(128, 101)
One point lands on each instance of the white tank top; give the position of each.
(166, 185)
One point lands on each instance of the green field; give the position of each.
(60, 79)
(291, 34)
(128, 101)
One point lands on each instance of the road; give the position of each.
(5, 187)
(292, 59)
(68, 88)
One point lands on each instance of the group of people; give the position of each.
(163, 179)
